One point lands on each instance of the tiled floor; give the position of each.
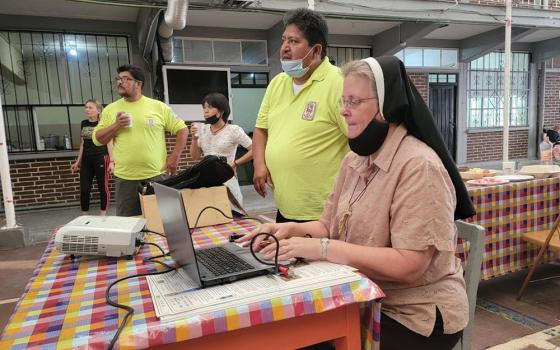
(500, 318)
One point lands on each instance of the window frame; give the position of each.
(488, 102)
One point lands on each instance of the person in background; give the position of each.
(137, 124)
(217, 137)
(300, 138)
(93, 161)
(392, 210)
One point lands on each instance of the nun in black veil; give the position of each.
(391, 213)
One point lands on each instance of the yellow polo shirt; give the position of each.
(306, 140)
(140, 151)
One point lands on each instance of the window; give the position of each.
(340, 55)
(220, 51)
(249, 80)
(553, 63)
(485, 90)
(428, 57)
(442, 78)
(46, 77)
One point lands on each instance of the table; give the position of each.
(64, 307)
(506, 211)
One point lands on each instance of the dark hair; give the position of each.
(135, 71)
(218, 101)
(312, 24)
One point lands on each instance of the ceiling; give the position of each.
(235, 19)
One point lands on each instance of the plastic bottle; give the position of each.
(41, 144)
(545, 149)
(68, 144)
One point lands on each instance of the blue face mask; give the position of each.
(295, 68)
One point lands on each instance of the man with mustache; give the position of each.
(300, 137)
(137, 126)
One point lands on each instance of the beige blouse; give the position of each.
(409, 204)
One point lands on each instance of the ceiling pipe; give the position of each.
(175, 18)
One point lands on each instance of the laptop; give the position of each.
(208, 266)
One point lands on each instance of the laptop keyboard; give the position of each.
(220, 261)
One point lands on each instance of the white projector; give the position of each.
(100, 235)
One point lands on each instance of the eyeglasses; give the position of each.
(353, 103)
(123, 79)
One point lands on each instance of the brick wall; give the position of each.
(551, 109)
(487, 146)
(420, 80)
(47, 182)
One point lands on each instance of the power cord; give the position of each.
(154, 232)
(225, 215)
(129, 310)
(251, 249)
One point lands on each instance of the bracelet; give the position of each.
(324, 247)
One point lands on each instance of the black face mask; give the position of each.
(212, 120)
(371, 139)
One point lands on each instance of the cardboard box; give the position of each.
(194, 200)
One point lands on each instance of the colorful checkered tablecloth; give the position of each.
(63, 306)
(506, 211)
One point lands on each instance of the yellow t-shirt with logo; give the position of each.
(140, 151)
(306, 140)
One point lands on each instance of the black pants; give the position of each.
(280, 218)
(94, 166)
(396, 336)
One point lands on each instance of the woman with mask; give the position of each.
(93, 161)
(217, 137)
(392, 210)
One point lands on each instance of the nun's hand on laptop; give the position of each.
(294, 247)
(280, 231)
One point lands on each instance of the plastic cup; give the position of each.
(129, 116)
(508, 167)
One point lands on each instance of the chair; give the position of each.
(544, 239)
(474, 234)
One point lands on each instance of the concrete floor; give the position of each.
(499, 319)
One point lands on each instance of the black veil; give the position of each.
(404, 104)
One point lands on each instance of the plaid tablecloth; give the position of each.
(63, 306)
(506, 211)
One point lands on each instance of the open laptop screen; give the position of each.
(176, 227)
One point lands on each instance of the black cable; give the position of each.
(154, 232)
(224, 214)
(157, 257)
(275, 255)
(155, 245)
(159, 262)
(130, 310)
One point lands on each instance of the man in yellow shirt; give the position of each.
(137, 126)
(300, 136)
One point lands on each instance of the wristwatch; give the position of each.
(324, 247)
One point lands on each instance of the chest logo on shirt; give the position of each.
(309, 112)
(150, 121)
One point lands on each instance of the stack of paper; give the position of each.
(175, 295)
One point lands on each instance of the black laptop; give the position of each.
(208, 266)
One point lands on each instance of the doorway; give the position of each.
(442, 104)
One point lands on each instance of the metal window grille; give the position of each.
(45, 73)
(485, 90)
